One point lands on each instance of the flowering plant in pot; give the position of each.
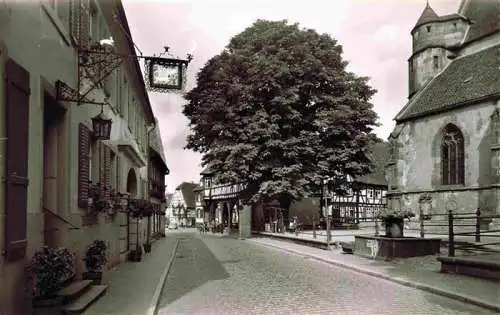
(393, 220)
(95, 258)
(49, 270)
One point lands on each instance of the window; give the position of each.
(428, 29)
(435, 62)
(452, 156)
(94, 22)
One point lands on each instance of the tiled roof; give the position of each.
(380, 153)
(187, 190)
(207, 170)
(485, 15)
(428, 15)
(464, 80)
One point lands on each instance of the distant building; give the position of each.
(183, 205)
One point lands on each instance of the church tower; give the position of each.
(435, 38)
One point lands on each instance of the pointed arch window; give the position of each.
(452, 156)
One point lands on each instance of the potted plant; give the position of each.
(95, 258)
(49, 270)
(393, 221)
(135, 211)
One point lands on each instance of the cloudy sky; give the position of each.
(375, 35)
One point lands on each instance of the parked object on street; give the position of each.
(135, 255)
(95, 258)
(173, 226)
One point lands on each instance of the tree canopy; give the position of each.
(277, 110)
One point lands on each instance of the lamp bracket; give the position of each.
(94, 65)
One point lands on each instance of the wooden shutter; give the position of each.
(80, 22)
(16, 188)
(106, 180)
(83, 165)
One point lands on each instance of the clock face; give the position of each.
(166, 75)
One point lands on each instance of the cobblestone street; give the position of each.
(214, 275)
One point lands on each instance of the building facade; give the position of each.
(445, 145)
(157, 171)
(183, 204)
(49, 156)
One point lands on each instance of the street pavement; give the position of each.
(222, 275)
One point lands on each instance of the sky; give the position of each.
(375, 35)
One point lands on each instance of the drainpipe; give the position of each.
(149, 129)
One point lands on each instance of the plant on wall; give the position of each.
(97, 199)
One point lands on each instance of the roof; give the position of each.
(188, 193)
(207, 170)
(484, 15)
(465, 80)
(156, 146)
(380, 153)
(427, 16)
(130, 43)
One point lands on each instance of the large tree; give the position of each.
(277, 110)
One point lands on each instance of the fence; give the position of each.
(478, 232)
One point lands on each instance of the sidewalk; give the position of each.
(132, 285)
(418, 272)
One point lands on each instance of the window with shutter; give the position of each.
(107, 171)
(16, 186)
(80, 22)
(84, 134)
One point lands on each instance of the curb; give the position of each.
(407, 283)
(152, 310)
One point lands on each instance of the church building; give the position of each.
(445, 147)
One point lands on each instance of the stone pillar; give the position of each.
(229, 217)
(245, 222)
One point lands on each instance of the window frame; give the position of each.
(452, 156)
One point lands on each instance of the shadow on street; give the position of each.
(193, 266)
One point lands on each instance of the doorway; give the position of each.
(54, 151)
(128, 226)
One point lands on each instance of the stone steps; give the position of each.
(72, 299)
(79, 305)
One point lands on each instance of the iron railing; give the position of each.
(478, 233)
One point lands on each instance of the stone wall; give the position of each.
(418, 163)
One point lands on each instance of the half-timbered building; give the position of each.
(366, 195)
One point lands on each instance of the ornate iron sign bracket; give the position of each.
(94, 65)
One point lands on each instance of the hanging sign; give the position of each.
(165, 74)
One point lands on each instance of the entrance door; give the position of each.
(128, 227)
(53, 154)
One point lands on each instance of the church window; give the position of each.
(452, 156)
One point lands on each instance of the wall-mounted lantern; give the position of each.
(101, 126)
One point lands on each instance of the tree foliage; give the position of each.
(278, 110)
